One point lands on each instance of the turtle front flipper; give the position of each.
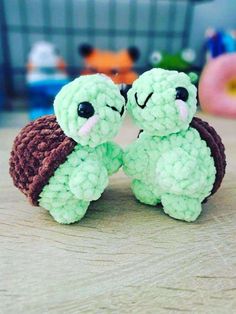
(146, 194)
(89, 180)
(70, 191)
(113, 157)
(64, 212)
(180, 173)
(181, 207)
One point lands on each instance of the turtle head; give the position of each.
(90, 109)
(162, 102)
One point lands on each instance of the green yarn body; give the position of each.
(177, 171)
(169, 163)
(81, 179)
(84, 175)
(103, 94)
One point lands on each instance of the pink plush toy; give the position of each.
(217, 86)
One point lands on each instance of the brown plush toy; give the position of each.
(117, 65)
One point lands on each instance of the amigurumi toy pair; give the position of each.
(63, 162)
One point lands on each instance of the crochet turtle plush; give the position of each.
(177, 160)
(62, 162)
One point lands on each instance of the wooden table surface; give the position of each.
(123, 257)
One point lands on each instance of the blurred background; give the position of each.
(46, 43)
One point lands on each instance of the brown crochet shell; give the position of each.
(38, 150)
(213, 140)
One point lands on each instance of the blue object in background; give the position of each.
(219, 43)
(215, 45)
(1, 100)
(41, 96)
(229, 42)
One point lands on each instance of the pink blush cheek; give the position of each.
(183, 110)
(85, 129)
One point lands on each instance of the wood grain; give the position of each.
(123, 257)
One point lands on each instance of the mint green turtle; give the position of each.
(90, 111)
(169, 163)
(62, 162)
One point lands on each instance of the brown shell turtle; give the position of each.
(177, 160)
(62, 162)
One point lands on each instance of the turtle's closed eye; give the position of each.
(145, 102)
(115, 109)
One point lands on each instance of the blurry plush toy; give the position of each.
(44, 62)
(181, 61)
(46, 75)
(117, 65)
(177, 160)
(63, 162)
(2, 99)
(219, 42)
(217, 86)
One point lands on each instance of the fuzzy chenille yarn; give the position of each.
(63, 162)
(106, 113)
(38, 150)
(177, 160)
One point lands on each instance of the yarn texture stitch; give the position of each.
(169, 163)
(63, 162)
(81, 179)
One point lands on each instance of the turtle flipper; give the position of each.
(144, 193)
(65, 212)
(177, 172)
(89, 180)
(181, 207)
